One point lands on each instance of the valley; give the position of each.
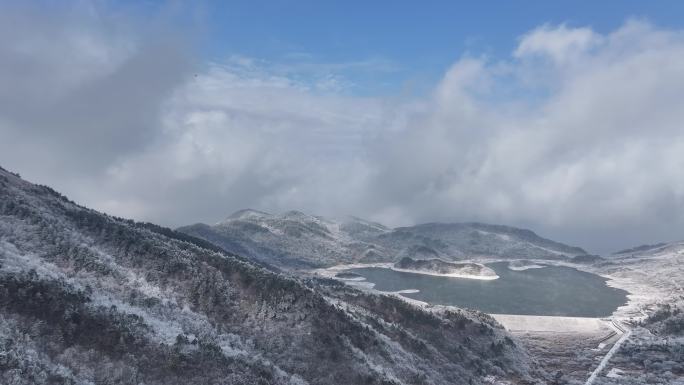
(572, 342)
(88, 297)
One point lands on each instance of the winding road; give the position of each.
(602, 365)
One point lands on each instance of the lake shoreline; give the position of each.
(533, 291)
(331, 272)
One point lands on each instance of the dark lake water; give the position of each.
(551, 290)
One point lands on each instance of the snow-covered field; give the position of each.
(552, 324)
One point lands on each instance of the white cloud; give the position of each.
(559, 43)
(596, 157)
(585, 147)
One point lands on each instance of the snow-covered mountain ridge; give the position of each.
(297, 240)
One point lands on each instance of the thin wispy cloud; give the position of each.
(310, 72)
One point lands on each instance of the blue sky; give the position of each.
(378, 47)
(412, 42)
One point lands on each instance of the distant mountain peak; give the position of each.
(294, 239)
(248, 214)
(296, 215)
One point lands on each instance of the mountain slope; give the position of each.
(653, 273)
(292, 239)
(89, 298)
(297, 240)
(478, 239)
(654, 351)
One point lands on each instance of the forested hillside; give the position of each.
(86, 298)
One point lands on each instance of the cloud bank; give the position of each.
(576, 134)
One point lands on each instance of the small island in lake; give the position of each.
(443, 268)
(348, 275)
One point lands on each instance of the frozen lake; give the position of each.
(550, 290)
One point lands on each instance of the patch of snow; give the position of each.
(552, 324)
(165, 330)
(15, 261)
(614, 373)
(407, 291)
